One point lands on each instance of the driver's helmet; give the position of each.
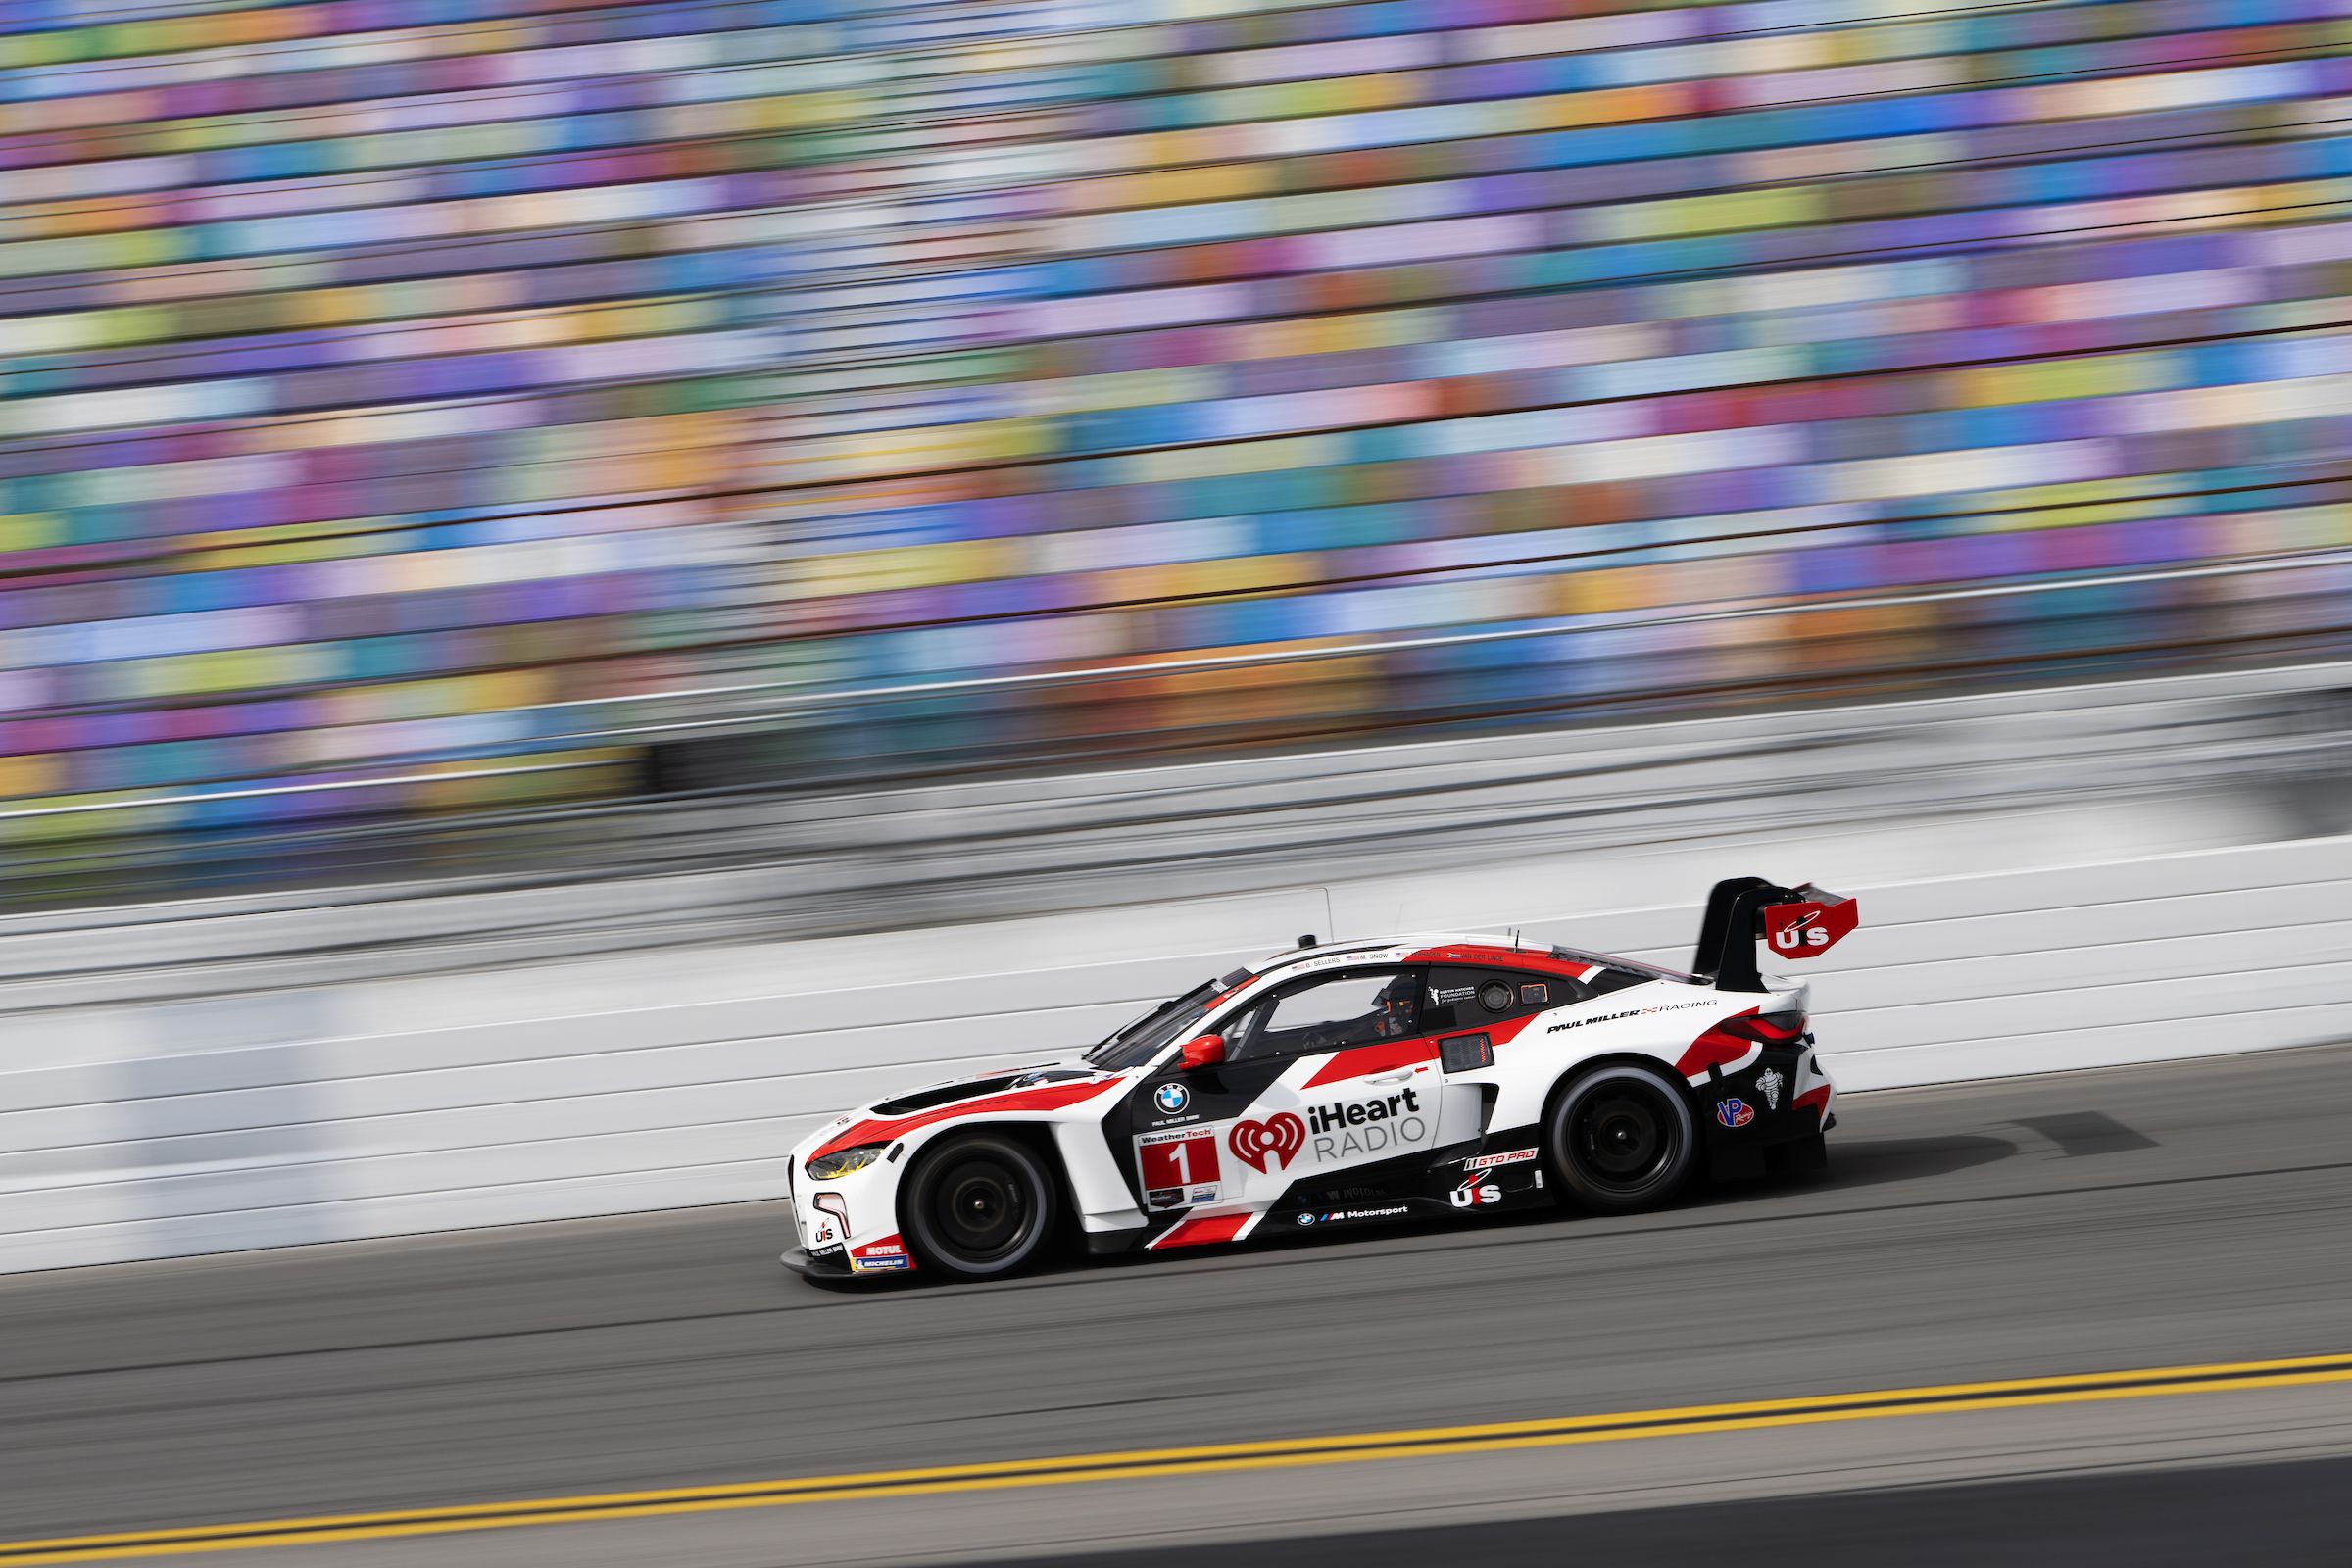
(1392, 1015)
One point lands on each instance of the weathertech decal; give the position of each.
(1178, 1159)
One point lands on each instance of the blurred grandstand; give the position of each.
(420, 408)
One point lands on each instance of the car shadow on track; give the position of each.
(1854, 1164)
(1874, 1162)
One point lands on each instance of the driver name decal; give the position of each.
(1279, 1135)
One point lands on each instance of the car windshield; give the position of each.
(1145, 1038)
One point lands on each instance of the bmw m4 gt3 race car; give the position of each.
(1349, 1083)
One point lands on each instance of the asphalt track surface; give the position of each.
(2171, 1215)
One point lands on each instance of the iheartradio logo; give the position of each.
(1280, 1135)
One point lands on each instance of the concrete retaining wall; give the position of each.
(160, 1127)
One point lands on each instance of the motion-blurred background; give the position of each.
(490, 480)
(431, 405)
(588, 582)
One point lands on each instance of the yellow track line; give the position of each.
(1279, 1453)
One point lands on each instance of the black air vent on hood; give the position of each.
(944, 1095)
(972, 1089)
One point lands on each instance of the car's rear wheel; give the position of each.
(1622, 1139)
(977, 1206)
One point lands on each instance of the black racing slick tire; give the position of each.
(1621, 1140)
(978, 1207)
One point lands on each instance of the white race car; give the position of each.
(1345, 1084)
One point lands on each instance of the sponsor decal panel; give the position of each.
(1800, 930)
(1368, 1127)
(1476, 1194)
(1203, 1195)
(1533, 992)
(1179, 1158)
(1172, 1098)
(1330, 1134)
(1447, 996)
(1768, 1083)
(1734, 1113)
(1605, 1018)
(887, 1256)
(1277, 1139)
(1164, 1197)
(1509, 1156)
(1334, 1216)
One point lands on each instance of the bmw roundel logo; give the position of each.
(1306, 1219)
(1171, 1096)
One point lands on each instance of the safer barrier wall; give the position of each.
(420, 402)
(523, 1094)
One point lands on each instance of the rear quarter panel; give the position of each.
(1659, 1021)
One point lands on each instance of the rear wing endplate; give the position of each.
(1799, 922)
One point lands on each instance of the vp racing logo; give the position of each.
(1340, 1132)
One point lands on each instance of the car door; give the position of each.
(1343, 1090)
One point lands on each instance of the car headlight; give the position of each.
(826, 1167)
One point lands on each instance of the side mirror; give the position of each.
(1206, 1050)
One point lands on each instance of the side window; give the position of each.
(1329, 1013)
(1465, 999)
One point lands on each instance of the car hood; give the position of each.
(953, 1090)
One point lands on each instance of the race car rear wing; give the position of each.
(1800, 922)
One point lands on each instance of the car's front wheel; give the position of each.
(977, 1206)
(1622, 1139)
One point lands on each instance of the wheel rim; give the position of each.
(1623, 1136)
(980, 1208)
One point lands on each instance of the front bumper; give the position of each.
(834, 1264)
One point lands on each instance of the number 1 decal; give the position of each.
(1178, 1159)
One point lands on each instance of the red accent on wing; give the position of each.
(1817, 1097)
(1714, 1049)
(1809, 930)
(1041, 1097)
(1382, 1056)
(1190, 1232)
